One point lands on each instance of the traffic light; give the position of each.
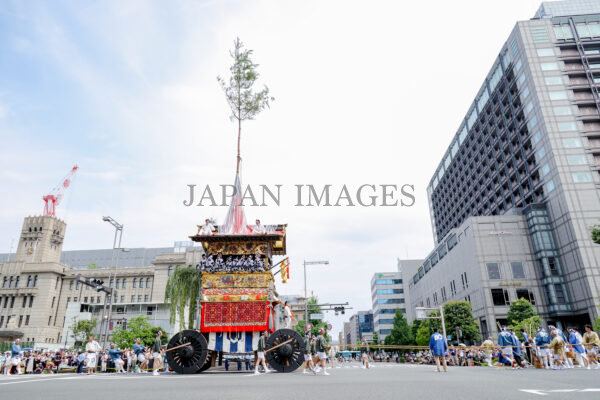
(339, 309)
(96, 283)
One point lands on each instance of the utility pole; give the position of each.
(104, 325)
(305, 290)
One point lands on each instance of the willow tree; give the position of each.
(183, 290)
(245, 104)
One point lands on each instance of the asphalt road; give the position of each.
(385, 381)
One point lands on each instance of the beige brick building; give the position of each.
(35, 288)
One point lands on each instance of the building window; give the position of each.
(120, 310)
(71, 285)
(443, 292)
(588, 30)
(526, 294)
(563, 110)
(24, 302)
(53, 299)
(111, 283)
(26, 320)
(435, 300)
(170, 270)
(493, 270)
(29, 281)
(563, 32)
(388, 281)
(500, 297)
(10, 282)
(571, 143)
(560, 294)
(553, 80)
(68, 300)
(549, 66)
(134, 283)
(146, 298)
(56, 283)
(1, 320)
(118, 283)
(558, 95)
(98, 299)
(132, 298)
(124, 285)
(582, 177)
(12, 302)
(77, 285)
(30, 301)
(149, 280)
(75, 299)
(139, 298)
(549, 52)
(577, 160)
(49, 320)
(4, 282)
(92, 300)
(122, 299)
(7, 320)
(388, 301)
(20, 320)
(517, 270)
(6, 302)
(390, 291)
(85, 299)
(567, 126)
(35, 279)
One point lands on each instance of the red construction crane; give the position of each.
(53, 199)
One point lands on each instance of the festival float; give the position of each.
(231, 302)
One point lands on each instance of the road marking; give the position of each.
(543, 392)
(534, 391)
(36, 380)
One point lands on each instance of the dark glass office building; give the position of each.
(530, 144)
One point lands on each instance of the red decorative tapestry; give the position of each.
(227, 317)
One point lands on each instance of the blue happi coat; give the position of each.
(542, 339)
(576, 342)
(437, 344)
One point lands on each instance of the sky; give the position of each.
(365, 93)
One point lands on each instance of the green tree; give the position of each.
(244, 103)
(597, 324)
(313, 308)
(530, 326)
(375, 338)
(401, 333)
(137, 327)
(414, 327)
(425, 330)
(595, 230)
(82, 329)
(458, 313)
(183, 290)
(520, 310)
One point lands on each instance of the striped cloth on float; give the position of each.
(233, 342)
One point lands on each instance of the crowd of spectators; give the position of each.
(51, 362)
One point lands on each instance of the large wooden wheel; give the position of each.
(190, 358)
(207, 363)
(288, 357)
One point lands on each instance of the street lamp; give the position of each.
(119, 233)
(305, 294)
